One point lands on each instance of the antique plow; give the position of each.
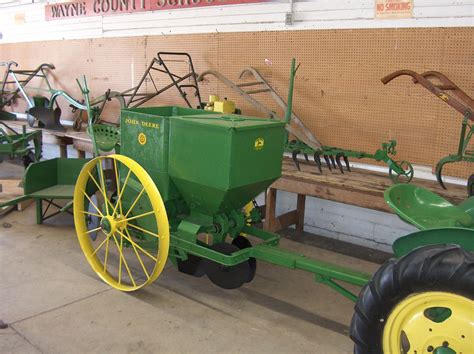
(306, 142)
(39, 108)
(451, 94)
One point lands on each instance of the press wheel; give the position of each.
(129, 248)
(226, 277)
(404, 177)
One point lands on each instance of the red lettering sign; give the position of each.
(112, 7)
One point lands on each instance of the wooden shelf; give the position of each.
(360, 188)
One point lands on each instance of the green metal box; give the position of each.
(215, 162)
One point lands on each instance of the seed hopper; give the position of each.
(176, 192)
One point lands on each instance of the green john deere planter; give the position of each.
(177, 190)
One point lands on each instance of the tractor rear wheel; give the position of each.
(128, 244)
(422, 302)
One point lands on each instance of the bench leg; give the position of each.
(270, 205)
(300, 206)
(39, 211)
(63, 150)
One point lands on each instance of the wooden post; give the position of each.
(300, 206)
(270, 205)
(63, 150)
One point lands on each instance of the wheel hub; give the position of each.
(108, 225)
(443, 326)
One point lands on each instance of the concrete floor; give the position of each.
(54, 303)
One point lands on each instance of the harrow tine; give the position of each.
(306, 157)
(346, 160)
(338, 161)
(328, 164)
(332, 161)
(317, 160)
(439, 171)
(295, 159)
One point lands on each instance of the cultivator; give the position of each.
(306, 143)
(451, 94)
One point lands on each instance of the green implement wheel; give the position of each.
(420, 303)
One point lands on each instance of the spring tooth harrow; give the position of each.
(451, 94)
(306, 143)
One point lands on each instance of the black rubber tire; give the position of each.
(470, 186)
(28, 159)
(430, 268)
(191, 266)
(227, 277)
(243, 242)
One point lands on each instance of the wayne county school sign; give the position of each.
(111, 7)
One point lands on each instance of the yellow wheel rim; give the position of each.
(430, 322)
(130, 242)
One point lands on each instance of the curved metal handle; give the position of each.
(8, 64)
(458, 104)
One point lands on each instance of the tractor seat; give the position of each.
(427, 210)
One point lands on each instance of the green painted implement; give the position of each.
(26, 145)
(176, 192)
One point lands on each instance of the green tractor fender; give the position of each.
(450, 235)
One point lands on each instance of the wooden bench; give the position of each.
(360, 188)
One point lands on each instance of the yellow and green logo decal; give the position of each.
(142, 139)
(259, 143)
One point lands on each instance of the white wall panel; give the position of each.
(25, 22)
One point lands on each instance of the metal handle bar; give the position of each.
(456, 103)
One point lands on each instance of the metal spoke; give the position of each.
(129, 239)
(143, 230)
(136, 217)
(89, 213)
(138, 257)
(90, 201)
(124, 261)
(103, 192)
(101, 244)
(117, 181)
(135, 201)
(119, 198)
(90, 231)
(106, 253)
(102, 181)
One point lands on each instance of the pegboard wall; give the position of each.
(338, 93)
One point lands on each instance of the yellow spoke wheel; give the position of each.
(430, 322)
(128, 248)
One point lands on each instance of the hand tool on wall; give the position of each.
(306, 142)
(450, 93)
